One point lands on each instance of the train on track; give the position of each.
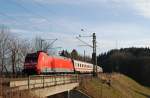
(41, 63)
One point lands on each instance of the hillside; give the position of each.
(133, 62)
(121, 87)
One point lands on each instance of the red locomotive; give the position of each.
(40, 62)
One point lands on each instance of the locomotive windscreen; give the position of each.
(31, 61)
(31, 58)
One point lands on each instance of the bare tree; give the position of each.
(12, 51)
(19, 49)
(23, 49)
(40, 44)
(4, 50)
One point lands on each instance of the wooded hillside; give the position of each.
(134, 62)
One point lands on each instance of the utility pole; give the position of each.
(94, 58)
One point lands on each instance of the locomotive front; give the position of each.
(30, 63)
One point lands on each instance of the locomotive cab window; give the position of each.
(31, 58)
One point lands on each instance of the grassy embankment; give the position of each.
(121, 87)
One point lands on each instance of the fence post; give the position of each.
(28, 82)
(68, 93)
(76, 78)
(63, 78)
(55, 80)
(43, 81)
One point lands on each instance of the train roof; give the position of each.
(36, 54)
(61, 57)
(83, 62)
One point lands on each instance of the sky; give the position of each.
(117, 23)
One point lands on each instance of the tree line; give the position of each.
(134, 62)
(75, 55)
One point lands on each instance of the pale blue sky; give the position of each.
(117, 23)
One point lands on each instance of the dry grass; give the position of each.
(121, 87)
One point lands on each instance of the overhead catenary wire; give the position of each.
(48, 9)
(34, 13)
(42, 6)
(84, 42)
(30, 11)
(15, 20)
(19, 4)
(9, 17)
